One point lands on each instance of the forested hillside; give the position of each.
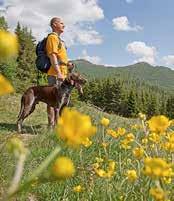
(162, 77)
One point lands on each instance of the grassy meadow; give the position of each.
(106, 170)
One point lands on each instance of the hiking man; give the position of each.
(57, 53)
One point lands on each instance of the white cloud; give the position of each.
(76, 34)
(92, 59)
(37, 14)
(122, 24)
(143, 52)
(169, 60)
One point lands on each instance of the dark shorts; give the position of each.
(53, 80)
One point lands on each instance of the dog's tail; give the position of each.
(22, 108)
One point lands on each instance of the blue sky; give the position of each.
(109, 32)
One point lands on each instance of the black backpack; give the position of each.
(42, 62)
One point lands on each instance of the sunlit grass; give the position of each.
(111, 168)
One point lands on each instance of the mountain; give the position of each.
(160, 76)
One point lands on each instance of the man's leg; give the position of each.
(56, 110)
(50, 110)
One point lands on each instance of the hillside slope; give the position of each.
(158, 76)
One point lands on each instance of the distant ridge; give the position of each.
(160, 76)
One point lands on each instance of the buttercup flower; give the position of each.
(125, 144)
(87, 142)
(138, 152)
(5, 86)
(63, 168)
(104, 145)
(131, 175)
(157, 167)
(104, 121)
(78, 189)
(99, 160)
(74, 127)
(142, 116)
(169, 144)
(100, 172)
(144, 141)
(158, 194)
(158, 124)
(121, 131)
(130, 137)
(8, 45)
(109, 170)
(154, 137)
(112, 133)
(135, 127)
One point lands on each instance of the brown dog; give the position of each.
(54, 96)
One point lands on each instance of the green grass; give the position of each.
(41, 142)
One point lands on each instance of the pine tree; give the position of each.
(152, 107)
(131, 105)
(170, 107)
(116, 97)
(3, 23)
(26, 72)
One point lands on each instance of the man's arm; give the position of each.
(55, 64)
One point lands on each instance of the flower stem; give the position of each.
(37, 172)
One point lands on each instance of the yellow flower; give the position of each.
(63, 168)
(172, 122)
(158, 194)
(8, 45)
(5, 86)
(154, 137)
(100, 172)
(131, 175)
(144, 141)
(74, 127)
(130, 137)
(142, 116)
(167, 180)
(121, 131)
(157, 167)
(125, 144)
(112, 133)
(78, 189)
(104, 121)
(108, 173)
(111, 165)
(95, 165)
(87, 142)
(169, 144)
(99, 160)
(135, 127)
(104, 145)
(158, 124)
(138, 152)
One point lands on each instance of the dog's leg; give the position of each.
(27, 107)
(56, 115)
(26, 112)
(19, 121)
(65, 103)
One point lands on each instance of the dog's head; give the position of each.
(76, 80)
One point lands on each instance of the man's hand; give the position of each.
(60, 76)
